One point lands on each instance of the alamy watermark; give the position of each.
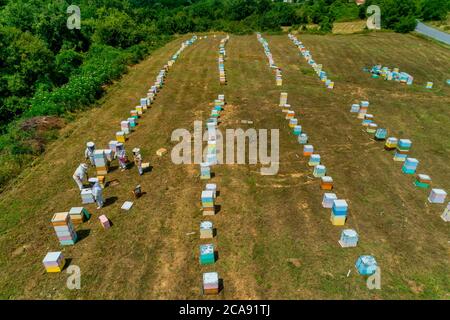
(229, 150)
(374, 281)
(74, 20)
(373, 21)
(74, 279)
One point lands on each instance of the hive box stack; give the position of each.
(446, 214)
(349, 238)
(308, 150)
(410, 166)
(279, 78)
(145, 103)
(429, 85)
(391, 143)
(212, 152)
(366, 265)
(303, 138)
(339, 212)
(293, 122)
(134, 114)
(64, 228)
(86, 196)
(211, 131)
(101, 162)
(372, 128)
(212, 187)
(319, 171)
(54, 261)
(78, 215)
(132, 122)
(422, 181)
(208, 203)
(326, 183)
(402, 151)
(437, 196)
(314, 160)
(104, 221)
(205, 171)
(368, 119)
(139, 110)
(120, 136)
(207, 254)
(210, 283)
(125, 127)
(364, 106)
(354, 108)
(380, 134)
(286, 108)
(283, 99)
(328, 200)
(206, 230)
(297, 130)
(290, 115)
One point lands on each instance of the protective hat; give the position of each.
(84, 165)
(136, 150)
(90, 144)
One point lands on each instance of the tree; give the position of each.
(434, 9)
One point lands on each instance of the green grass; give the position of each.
(265, 221)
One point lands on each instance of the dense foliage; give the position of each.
(47, 69)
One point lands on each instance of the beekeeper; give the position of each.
(80, 174)
(138, 160)
(89, 152)
(121, 156)
(98, 194)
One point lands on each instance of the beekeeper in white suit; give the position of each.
(89, 152)
(80, 174)
(98, 194)
(138, 160)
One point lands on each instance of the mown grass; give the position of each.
(265, 221)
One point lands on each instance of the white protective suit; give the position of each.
(79, 175)
(89, 154)
(98, 194)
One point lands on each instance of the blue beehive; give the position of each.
(349, 238)
(381, 134)
(410, 166)
(340, 208)
(303, 138)
(366, 265)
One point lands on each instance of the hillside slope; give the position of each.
(274, 239)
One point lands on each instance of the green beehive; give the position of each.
(207, 254)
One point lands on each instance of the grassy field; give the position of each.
(441, 25)
(273, 237)
(349, 27)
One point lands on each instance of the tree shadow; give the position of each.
(217, 208)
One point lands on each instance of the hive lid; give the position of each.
(60, 216)
(205, 225)
(52, 256)
(349, 233)
(210, 278)
(439, 191)
(340, 203)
